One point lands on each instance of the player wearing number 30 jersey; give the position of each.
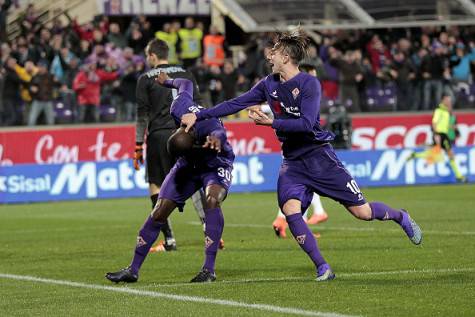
(206, 164)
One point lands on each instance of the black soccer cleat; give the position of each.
(204, 276)
(124, 275)
(170, 245)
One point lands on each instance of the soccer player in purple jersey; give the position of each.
(310, 164)
(206, 166)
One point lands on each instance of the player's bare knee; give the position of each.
(212, 202)
(292, 206)
(162, 210)
(362, 212)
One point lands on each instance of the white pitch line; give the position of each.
(252, 225)
(182, 298)
(339, 275)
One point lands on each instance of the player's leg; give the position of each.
(199, 201)
(341, 187)
(319, 214)
(159, 163)
(293, 198)
(145, 239)
(216, 186)
(448, 149)
(177, 187)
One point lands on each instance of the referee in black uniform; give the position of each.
(153, 118)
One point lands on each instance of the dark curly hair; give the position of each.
(294, 43)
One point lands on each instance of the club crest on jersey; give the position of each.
(301, 239)
(140, 241)
(208, 242)
(274, 94)
(295, 92)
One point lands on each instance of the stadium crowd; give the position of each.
(66, 72)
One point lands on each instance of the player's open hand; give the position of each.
(188, 120)
(162, 76)
(213, 143)
(259, 117)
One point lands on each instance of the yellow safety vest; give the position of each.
(170, 39)
(441, 120)
(190, 42)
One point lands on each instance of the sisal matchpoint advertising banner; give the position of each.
(89, 162)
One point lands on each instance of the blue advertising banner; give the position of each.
(92, 180)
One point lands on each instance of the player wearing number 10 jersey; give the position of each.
(310, 164)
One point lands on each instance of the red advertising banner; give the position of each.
(66, 144)
(246, 138)
(58, 145)
(405, 131)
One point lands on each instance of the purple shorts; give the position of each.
(184, 180)
(321, 172)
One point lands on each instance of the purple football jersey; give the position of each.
(296, 108)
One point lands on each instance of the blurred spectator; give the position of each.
(378, 54)
(460, 62)
(190, 43)
(2, 83)
(4, 6)
(433, 67)
(215, 85)
(201, 73)
(169, 35)
(41, 88)
(214, 48)
(87, 85)
(351, 73)
(330, 78)
(11, 93)
(229, 79)
(127, 88)
(115, 36)
(264, 67)
(26, 74)
(84, 50)
(250, 60)
(403, 73)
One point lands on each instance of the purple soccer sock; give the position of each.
(214, 224)
(383, 212)
(147, 236)
(305, 238)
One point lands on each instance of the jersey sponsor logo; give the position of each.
(208, 242)
(195, 108)
(140, 242)
(295, 92)
(301, 239)
(294, 111)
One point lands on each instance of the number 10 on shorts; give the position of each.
(353, 187)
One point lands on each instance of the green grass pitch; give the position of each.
(379, 272)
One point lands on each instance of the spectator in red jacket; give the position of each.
(87, 85)
(379, 55)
